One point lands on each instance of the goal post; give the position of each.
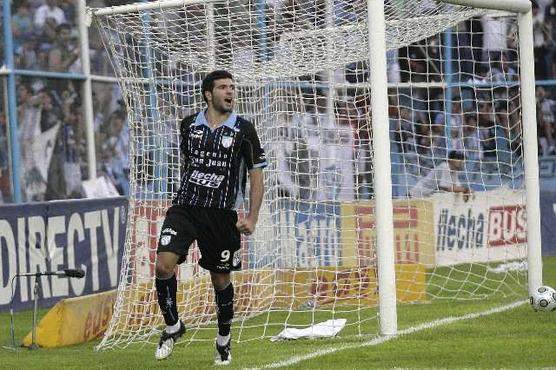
(379, 105)
(382, 168)
(530, 143)
(355, 106)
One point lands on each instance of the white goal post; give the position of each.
(529, 117)
(286, 64)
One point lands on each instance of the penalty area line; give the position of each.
(379, 340)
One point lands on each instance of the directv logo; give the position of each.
(209, 180)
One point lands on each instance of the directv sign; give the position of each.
(83, 234)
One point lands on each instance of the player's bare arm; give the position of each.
(247, 225)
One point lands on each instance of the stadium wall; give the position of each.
(52, 236)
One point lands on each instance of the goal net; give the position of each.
(302, 77)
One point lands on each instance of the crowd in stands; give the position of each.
(50, 111)
(478, 118)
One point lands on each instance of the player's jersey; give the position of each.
(216, 161)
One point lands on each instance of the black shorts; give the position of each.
(214, 230)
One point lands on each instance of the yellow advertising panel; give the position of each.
(413, 233)
(347, 285)
(75, 320)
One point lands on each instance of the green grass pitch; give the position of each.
(516, 338)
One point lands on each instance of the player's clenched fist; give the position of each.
(245, 226)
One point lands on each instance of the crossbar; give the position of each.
(138, 7)
(516, 6)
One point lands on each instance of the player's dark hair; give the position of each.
(456, 155)
(208, 82)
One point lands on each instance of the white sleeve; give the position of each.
(40, 17)
(443, 177)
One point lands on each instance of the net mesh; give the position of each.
(302, 77)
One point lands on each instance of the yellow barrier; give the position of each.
(75, 320)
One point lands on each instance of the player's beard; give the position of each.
(221, 106)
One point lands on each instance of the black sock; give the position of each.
(225, 309)
(166, 292)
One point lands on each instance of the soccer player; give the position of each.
(219, 150)
(444, 177)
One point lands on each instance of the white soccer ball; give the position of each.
(543, 299)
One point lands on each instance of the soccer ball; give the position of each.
(543, 299)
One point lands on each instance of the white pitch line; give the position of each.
(380, 340)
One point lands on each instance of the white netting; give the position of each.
(301, 69)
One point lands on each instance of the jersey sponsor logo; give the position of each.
(170, 231)
(226, 141)
(209, 180)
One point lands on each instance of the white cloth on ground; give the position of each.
(326, 329)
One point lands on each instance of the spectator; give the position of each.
(344, 150)
(487, 130)
(545, 122)
(26, 55)
(115, 150)
(47, 18)
(438, 143)
(470, 143)
(63, 54)
(22, 24)
(504, 71)
(421, 61)
(68, 8)
(550, 19)
(541, 39)
(64, 171)
(495, 38)
(287, 146)
(408, 140)
(506, 135)
(444, 177)
(363, 146)
(393, 66)
(455, 122)
(424, 145)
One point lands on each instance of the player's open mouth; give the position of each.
(228, 100)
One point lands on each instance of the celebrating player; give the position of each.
(219, 150)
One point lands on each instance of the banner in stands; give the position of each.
(548, 223)
(53, 236)
(490, 226)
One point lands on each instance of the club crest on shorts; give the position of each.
(237, 258)
(226, 141)
(165, 239)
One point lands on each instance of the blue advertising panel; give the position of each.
(54, 236)
(548, 222)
